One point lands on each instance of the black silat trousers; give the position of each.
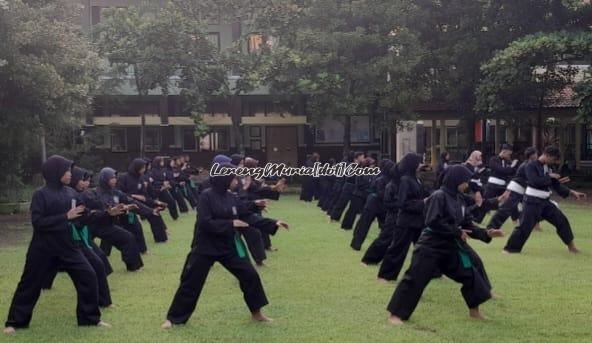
(534, 211)
(356, 205)
(34, 274)
(194, 277)
(428, 261)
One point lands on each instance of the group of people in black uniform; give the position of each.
(67, 215)
(439, 220)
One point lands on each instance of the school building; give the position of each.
(278, 129)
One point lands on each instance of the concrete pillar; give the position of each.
(443, 135)
(497, 138)
(578, 146)
(433, 151)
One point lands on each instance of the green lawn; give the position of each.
(319, 292)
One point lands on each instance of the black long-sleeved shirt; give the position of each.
(501, 168)
(215, 232)
(410, 202)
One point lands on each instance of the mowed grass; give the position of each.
(318, 292)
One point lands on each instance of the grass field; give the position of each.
(319, 292)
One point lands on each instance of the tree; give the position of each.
(154, 48)
(243, 68)
(530, 72)
(47, 75)
(347, 57)
(460, 35)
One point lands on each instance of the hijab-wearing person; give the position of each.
(410, 221)
(114, 229)
(221, 217)
(54, 207)
(374, 207)
(442, 247)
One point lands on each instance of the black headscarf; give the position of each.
(236, 159)
(156, 162)
(385, 166)
(136, 165)
(105, 175)
(394, 173)
(409, 164)
(221, 184)
(54, 168)
(454, 176)
(78, 174)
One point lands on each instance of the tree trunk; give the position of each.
(235, 116)
(142, 131)
(433, 151)
(347, 134)
(497, 139)
(43, 145)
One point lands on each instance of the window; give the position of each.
(215, 141)
(256, 40)
(214, 39)
(101, 138)
(152, 139)
(452, 136)
(189, 140)
(119, 140)
(360, 129)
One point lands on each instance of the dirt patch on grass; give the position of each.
(15, 229)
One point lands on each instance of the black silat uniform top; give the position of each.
(50, 204)
(215, 232)
(537, 177)
(501, 168)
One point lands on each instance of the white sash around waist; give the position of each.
(477, 182)
(516, 187)
(537, 193)
(496, 181)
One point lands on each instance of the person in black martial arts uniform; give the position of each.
(442, 247)
(375, 252)
(347, 190)
(410, 221)
(515, 189)
(190, 170)
(257, 190)
(475, 165)
(52, 243)
(359, 195)
(110, 235)
(132, 183)
(540, 180)
(443, 164)
(308, 190)
(374, 207)
(254, 233)
(502, 169)
(108, 229)
(161, 186)
(325, 185)
(173, 174)
(335, 192)
(220, 218)
(80, 183)
(182, 177)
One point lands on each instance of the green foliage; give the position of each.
(47, 76)
(160, 51)
(347, 57)
(530, 71)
